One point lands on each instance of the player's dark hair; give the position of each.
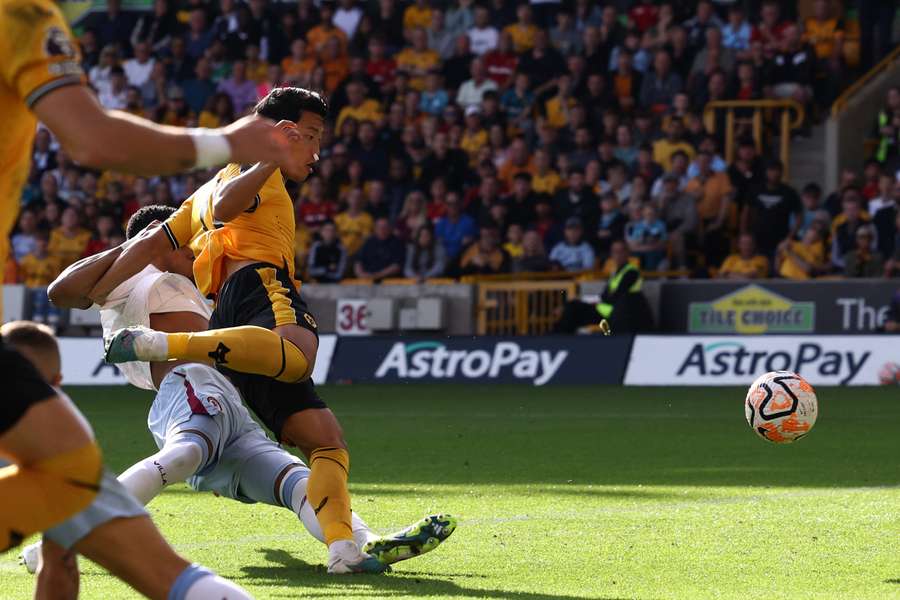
(289, 103)
(146, 215)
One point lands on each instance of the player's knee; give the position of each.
(306, 343)
(184, 456)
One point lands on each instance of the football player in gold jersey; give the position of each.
(240, 226)
(57, 467)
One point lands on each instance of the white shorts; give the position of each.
(195, 398)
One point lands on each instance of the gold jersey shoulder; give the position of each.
(264, 232)
(37, 56)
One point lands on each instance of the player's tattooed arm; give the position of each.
(239, 194)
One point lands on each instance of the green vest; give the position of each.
(881, 153)
(605, 309)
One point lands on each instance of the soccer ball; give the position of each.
(781, 407)
(889, 374)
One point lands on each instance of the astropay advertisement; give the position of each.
(738, 360)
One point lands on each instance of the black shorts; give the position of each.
(264, 295)
(28, 387)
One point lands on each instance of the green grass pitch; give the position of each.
(562, 493)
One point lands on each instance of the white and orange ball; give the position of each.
(781, 407)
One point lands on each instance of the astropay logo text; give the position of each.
(728, 358)
(433, 360)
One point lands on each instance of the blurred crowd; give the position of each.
(470, 138)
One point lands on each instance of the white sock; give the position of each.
(361, 532)
(177, 461)
(151, 345)
(199, 583)
(214, 587)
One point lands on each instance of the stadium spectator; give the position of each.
(845, 225)
(863, 261)
(485, 257)
(884, 220)
(622, 302)
(483, 37)
(25, 238)
(645, 235)
(455, 230)
(768, 212)
(746, 263)
(382, 255)
(533, 258)
(715, 197)
(792, 74)
(37, 270)
(327, 259)
(812, 214)
(576, 200)
(471, 91)
(804, 258)
(892, 265)
(737, 32)
(425, 257)
(678, 210)
(114, 95)
(354, 225)
(573, 253)
(69, 240)
(664, 149)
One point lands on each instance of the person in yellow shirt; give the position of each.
(298, 67)
(335, 64)
(474, 136)
(38, 269)
(69, 241)
(824, 32)
(354, 225)
(513, 245)
(558, 106)
(545, 180)
(803, 259)
(256, 67)
(664, 149)
(417, 60)
(417, 15)
(358, 106)
(523, 30)
(745, 263)
(318, 36)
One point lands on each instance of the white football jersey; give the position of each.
(132, 303)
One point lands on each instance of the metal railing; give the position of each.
(521, 307)
(763, 111)
(841, 103)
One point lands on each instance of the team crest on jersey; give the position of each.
(310, 320)
(57, 43)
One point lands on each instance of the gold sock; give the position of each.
(327, 492)
(248, 349)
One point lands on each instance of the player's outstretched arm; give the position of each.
(116, 140)
(71, 289)
(135, 257)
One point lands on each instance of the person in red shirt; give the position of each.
(644, 15)
(501, 62)
(315, 209)
(770, 29)
(106, 227)
(380, 67)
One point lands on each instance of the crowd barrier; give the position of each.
(644, 360)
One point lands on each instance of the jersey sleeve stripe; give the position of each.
(48, 87)
(172, 239)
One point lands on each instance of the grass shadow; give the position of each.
(292, 571)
